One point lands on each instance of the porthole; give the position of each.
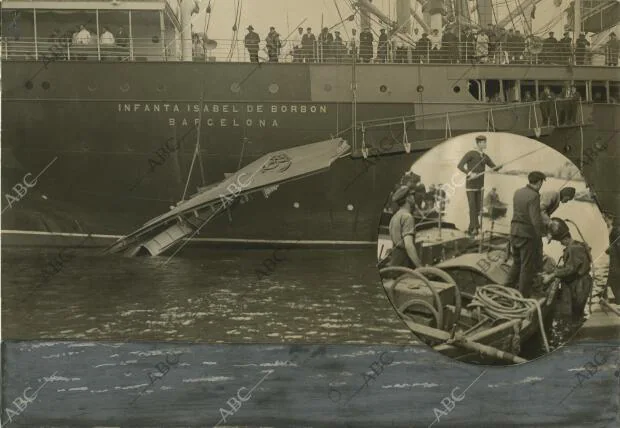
(420, 88)
(235, 87)
(162, 88)
(456, 89)
(45, 85)
(92, 87)
(28, 85)
(274, 88)
(327, 87)
(125, 87)
(296, 205)
(383, 88)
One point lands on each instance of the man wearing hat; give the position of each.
(273, 43)
(474, 165)
(326, 41)
(551, 199)
(565, 48)
(526, 232)
(550, 49)
(574, 274)
(366, 48)
(339, 46)
(382, 46)
(251, 42)
(402, 230)
(581, 48)
(307, 44)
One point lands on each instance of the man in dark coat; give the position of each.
(449, 45)
(339, 47)
(273, 44)
(474, 164)
(546, 106)
(326, 41)
(526, 232)
(550, 49)
(307, 45)
(366, 49)
(581, 46)
(565, 49)
(612, 48)
(382, 46)
(423, 48)
(251, 42)
(574, 274)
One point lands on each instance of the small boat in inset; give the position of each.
(461, 305)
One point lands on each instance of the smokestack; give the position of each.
(365, 16)
(403, 16)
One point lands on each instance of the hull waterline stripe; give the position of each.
(223, 240)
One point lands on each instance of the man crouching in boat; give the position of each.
(574, 273)
(402, 230)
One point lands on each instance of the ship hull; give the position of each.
(124, 143)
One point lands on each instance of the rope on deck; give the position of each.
(507, 303)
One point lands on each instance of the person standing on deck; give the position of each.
(251, 42)
(550, 201)
(382, 47)
(612, 49)
(546, 105)
(296, 49)
(472, 164)
(307, 43)
(402, 230)
(574, 274)
(273, 44)
(366, 48)
(526, 231)
(581, 48)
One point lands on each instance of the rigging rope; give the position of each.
(507, 303)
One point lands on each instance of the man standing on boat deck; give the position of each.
(526, 232)
(574, 274)
(402, 230)
(550, 201)
(251, 42)
(474, 165)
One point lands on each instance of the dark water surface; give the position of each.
(326, 296)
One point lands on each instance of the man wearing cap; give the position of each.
(550, 201)
(326, 41)
(565, 48)
(474, 165)
(251, 42)
(581, 48)
(550, 49)
(307, 44)
(382, 46)
(526, 232)
(402, 230)
(574, 274)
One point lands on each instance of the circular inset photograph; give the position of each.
(492, 249)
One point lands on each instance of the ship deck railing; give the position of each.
(224, 50)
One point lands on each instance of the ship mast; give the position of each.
(576, 19)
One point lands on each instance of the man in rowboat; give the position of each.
(526, 232)
(402, 230)
(474, 165)
(550, 201)
(574, 273)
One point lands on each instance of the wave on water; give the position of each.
(208, 379)
(527, 380)
(409, 386)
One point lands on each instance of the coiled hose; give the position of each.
(507, 303)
